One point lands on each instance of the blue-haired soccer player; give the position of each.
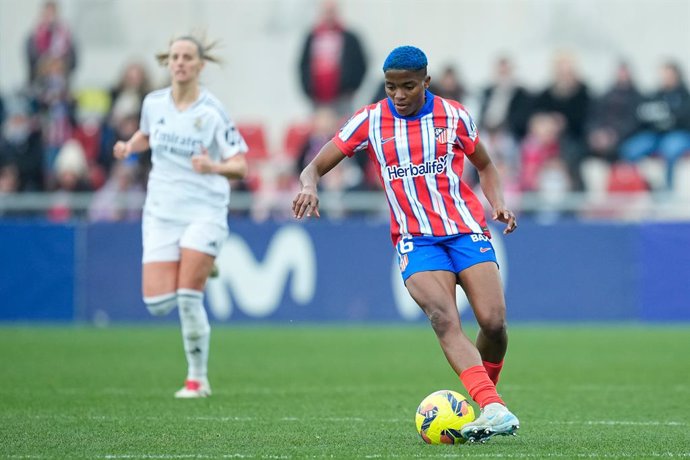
(419, 142)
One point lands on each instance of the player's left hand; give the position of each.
(202, 163)
(306, 203)
(507, 217)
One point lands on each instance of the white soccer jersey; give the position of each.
(175, 191)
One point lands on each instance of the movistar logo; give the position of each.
(257, 286)
(412, 170)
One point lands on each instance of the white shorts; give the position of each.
(162, 239)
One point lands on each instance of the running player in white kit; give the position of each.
(195, 149)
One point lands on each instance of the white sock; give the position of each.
(196, 332)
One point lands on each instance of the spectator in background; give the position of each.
(324, 124)
(56, 108)
(332, 64)
(448, 85)
(612, 116)
(2, 109)
(567, 98)
(21, 145)
(345, 176)
(122, 120)
(540, 148)
(50, 39)
(122, 196)
(664, 122)
(504, 112)
(71, 175)
(9, 178)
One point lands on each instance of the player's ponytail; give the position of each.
(203, 46)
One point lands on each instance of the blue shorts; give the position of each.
(449, 253)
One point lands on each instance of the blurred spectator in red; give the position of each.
(332, 64)
(612, 116)
(664, 122)
(505, 107)
(21, 145)
(50, 38)
(447, 85)
(568, 98)
(541, 145)
(122, 196)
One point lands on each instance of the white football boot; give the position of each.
(194, 389)
(495, 419)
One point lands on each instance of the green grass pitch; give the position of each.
(335, 392)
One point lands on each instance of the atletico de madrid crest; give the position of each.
(402, 260)
(445, 135)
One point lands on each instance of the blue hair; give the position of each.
(405, 58)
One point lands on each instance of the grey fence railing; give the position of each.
(625, 206)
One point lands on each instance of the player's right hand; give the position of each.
(121, 150)
(306, 202)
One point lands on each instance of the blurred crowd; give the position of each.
(562, 138)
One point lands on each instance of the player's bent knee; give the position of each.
(161, 305)
(193, 317)
(440, 320)
(493, 328)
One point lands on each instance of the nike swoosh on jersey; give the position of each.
(383, 141)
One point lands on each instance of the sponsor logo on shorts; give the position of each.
(478, 237)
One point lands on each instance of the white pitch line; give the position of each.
(243, 419)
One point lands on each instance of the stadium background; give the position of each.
(632, 270)
(262, 39)
(322, 353)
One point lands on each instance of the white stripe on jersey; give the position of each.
(375, 136)
(352, 125)
(429, 147)
(470, 127)
(402, 149)
(465, 214)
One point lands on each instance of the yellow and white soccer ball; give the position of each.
(440, 416)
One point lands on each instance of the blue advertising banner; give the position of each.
(323, 271)
(37, 272)
(664, 255)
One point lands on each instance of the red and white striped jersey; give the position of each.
(420, 160)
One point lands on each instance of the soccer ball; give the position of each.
(440, 416)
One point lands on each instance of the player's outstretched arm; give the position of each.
(234, 167)
(490, 182)
(139, 142)
(307, 200)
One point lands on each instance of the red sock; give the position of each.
(479, 386)
(493, 369)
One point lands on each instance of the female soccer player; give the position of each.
(195, 150)
(419, 142)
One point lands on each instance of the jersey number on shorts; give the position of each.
(405, 245)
